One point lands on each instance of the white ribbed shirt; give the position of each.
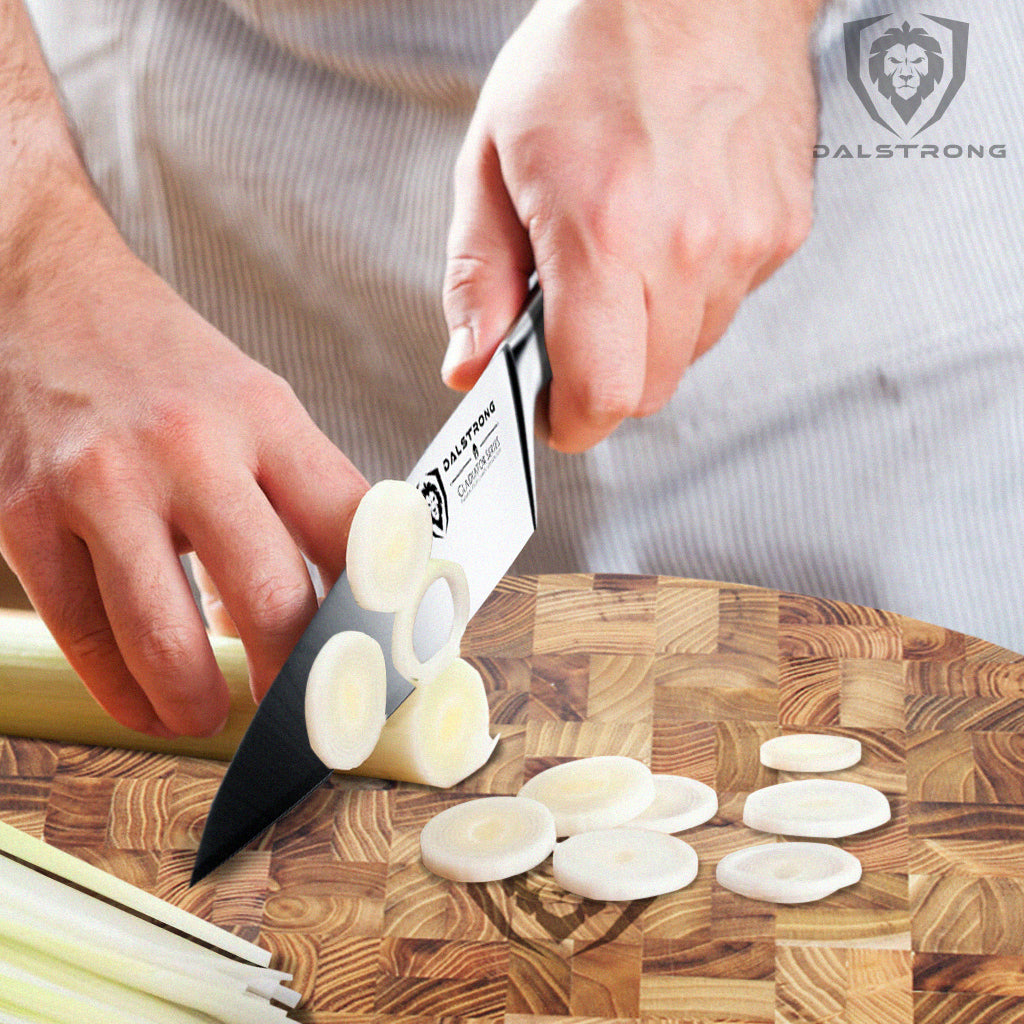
(857, 434)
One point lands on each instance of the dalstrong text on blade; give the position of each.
(467, 438)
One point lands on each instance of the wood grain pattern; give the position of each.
(966, 1008)
(690, 677)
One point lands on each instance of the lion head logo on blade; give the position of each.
(905, 64)
(432, 488)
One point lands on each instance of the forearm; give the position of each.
(43, 177)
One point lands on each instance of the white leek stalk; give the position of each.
(48, 858)
(35, 898)
(439, 734)
(51, 972)
(69, 957)
(42, 697)
(217, 1001)
(57, 1004)
(10, 1016)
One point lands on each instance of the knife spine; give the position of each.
(529, 372)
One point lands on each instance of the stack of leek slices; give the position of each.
(608, 823)
(800, 872)
(440, 734)
(614, 817)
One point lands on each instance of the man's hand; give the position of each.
(133, 432)
(652, 161)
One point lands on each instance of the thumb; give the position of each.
(488, 267)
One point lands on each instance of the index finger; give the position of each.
(157, 624)
(63, 590)
(315, 489)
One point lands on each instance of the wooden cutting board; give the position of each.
(690, 677)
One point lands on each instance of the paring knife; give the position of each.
(478, 478)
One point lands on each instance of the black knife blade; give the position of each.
(479, 472)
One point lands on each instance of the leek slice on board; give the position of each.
(790, 872)
(679, 803)
(593, 792)
(487, 839)
(623, 864)
(810, 752)
(816, 808)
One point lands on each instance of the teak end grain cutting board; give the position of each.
(690, 677)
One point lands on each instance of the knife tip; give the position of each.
(213, 851)
(201, 868)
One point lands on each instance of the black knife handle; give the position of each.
(529, 373)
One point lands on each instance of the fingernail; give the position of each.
(211, 730)
(460, 349)
(158, 729)
(221, 726)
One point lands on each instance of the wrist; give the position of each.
(779, 15)
(777, 20)
(809, 9)
(50, 215)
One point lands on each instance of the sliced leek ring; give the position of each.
(623, 864)
(593, 792)
(816, 808)
(679, 803)
(439, 734)
(389, 544)
(810, 752)
(345, 696)
(487, 839)
(403, 653)
(790, 872)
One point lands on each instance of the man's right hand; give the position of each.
(133, 432)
